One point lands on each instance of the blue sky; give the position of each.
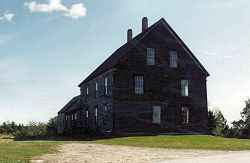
(48, 48)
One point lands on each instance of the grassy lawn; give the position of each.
(12, 151)
(182, 142)
(15, 151)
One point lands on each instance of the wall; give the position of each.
(162, 86)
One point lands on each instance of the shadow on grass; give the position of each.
(84, 137)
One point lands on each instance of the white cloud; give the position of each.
(53, 5)
(7, 16)
(76, 11)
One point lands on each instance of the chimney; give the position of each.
(144, 23)
(129, 35)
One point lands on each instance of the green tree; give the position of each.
(245, 114)
(221, 127)
(211, 122)
(237, 129)
(52, 126)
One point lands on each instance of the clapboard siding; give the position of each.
(130, 112)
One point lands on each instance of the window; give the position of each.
(173, 59)
(138, 84)
(87, 116)
(184, 87)
(105, 114)
(106, 85)
(75, 116)
(96, 116)
(96, 90)
(156, 114)
(185, 115)
(150, 56)
(87, 90)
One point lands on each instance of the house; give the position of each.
(153, 83)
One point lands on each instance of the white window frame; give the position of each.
(185, 114)
(156, 114)
(106, 85)
(184, 87)
(139, 84)
(87, 90)
(150, 56)
(173, 55)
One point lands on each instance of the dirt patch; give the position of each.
(86, 153)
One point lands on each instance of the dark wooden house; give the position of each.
(153, 83)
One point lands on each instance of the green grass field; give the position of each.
(12, 151)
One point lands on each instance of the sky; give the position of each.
(47, 47)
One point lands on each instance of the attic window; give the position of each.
(173, 59)
(150, 56)
(106, 85)
(96, 90)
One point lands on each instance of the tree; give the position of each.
(237, 129)
(221, 127)
(52, 126)
(245, 114)
(211, 122)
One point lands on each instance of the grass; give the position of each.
(182, 142)
(12, 151)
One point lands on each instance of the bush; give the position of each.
(33, 129)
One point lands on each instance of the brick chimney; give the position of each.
(129, 35)
(144, 23)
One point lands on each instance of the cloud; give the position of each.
(76, 11)
(8, 16)
(53, 5)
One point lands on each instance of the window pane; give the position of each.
(185, 114)
(184, 87)
(156, 114)
(150, 56)
(139, 84)
(96, 86)
(106, 82)
(173, 59)
(96, 90)
(106, 85)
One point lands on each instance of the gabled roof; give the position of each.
(69, 104)
(116, 57)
